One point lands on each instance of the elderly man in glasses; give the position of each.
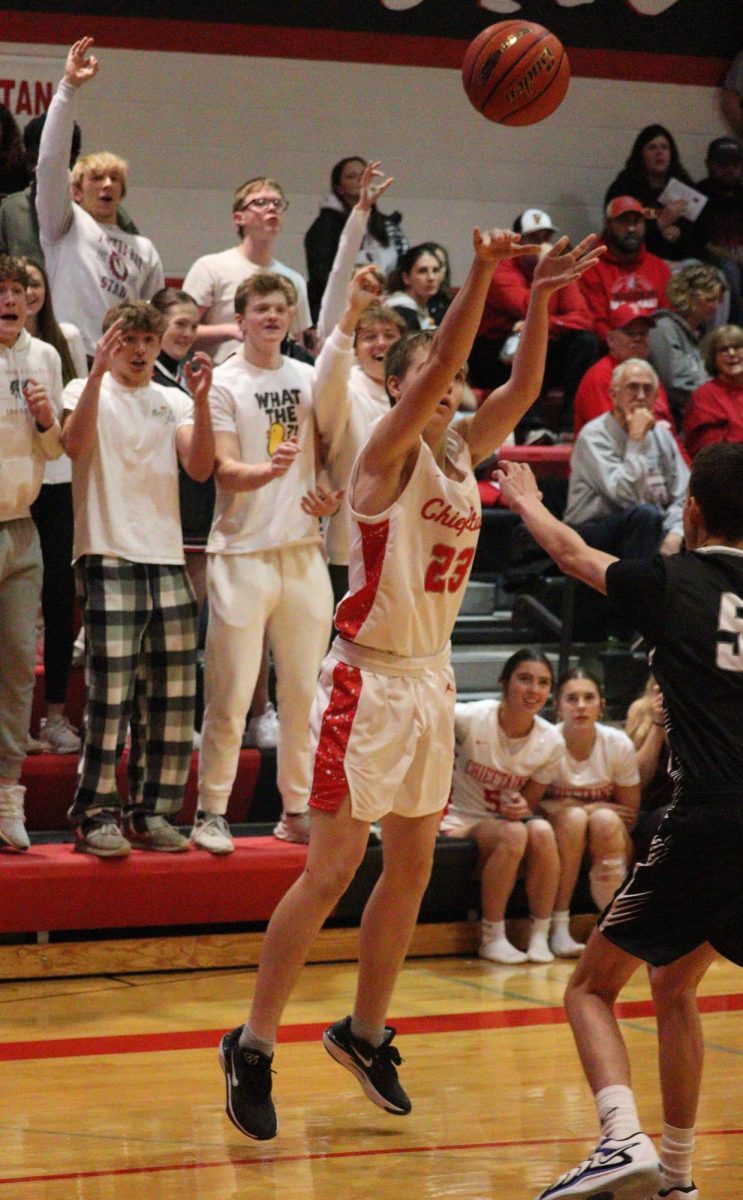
(258, 208)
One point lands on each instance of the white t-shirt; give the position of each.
(91, 265)
(263, 408)
(125, 494)
(214, 279)
(612, 762)
(488, 764)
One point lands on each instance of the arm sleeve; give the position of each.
(332, 401)
(154, 280)
(594, 293)
(636, 591)
(53, 200)
(678, 366)
(678, 482)
(221, 409)
(199, 283)
(334, 295)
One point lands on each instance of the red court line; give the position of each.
(263, 1159)
(333, 45)
(201, 1039)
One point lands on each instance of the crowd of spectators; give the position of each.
(253, 389)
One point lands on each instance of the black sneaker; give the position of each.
(374, 1067)
(248, 1077)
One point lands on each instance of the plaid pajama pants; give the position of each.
(140, 664)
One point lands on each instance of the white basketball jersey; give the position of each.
(490, 766)
(409, 565)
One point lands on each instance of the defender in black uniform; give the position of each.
(684, 905)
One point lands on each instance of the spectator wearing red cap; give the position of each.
(573, 346)
(715, 411)
(653, 162)
(628, 337)
(628, 273)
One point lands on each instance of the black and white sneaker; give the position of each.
(248, 1077)
(374, 1067)
(618, 1169)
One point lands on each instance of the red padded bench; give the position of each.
(52, 887)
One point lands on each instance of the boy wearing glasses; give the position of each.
(258, 208)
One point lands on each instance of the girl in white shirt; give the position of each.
(592, 801)
(505, 756)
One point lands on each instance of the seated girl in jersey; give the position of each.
(506, 754)
(592, 800)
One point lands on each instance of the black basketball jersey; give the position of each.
(689, 607)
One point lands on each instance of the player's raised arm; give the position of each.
(398, 432)
(565, 547)
(486, 430)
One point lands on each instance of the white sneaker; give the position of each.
(57, 736)
(618, 1169)
(500, 950)
(293, 827)
(211, 832)
(263, 731)
(538, 951)
(12, 817)
(677, 1193)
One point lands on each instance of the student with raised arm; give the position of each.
(683, 905)
(383, 717)
(92, 263)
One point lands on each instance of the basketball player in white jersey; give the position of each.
(383, 716)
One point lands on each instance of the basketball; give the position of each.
(516, 73)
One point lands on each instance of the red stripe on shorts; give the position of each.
(353, 611)
(329, 786)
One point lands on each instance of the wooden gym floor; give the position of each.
(111, 1088)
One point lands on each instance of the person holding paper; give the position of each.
(653, 162)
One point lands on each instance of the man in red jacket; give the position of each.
(630, 325)
(573, 347)
(627, 273)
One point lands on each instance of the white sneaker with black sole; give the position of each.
(618, 1169)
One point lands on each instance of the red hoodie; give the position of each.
(508, 300)
(610, 283)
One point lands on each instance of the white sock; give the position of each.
(493, 934)
(676, 1152)
(562, 942)
(251, 1041)
(538, 949)
(617, 1111)
(373, 1034)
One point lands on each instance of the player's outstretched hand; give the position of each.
(373, 185)
(494, 245)
(198, 373)
(517, 482)
(560, 266)
(79, 68)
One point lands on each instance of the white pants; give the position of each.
(286, 591)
